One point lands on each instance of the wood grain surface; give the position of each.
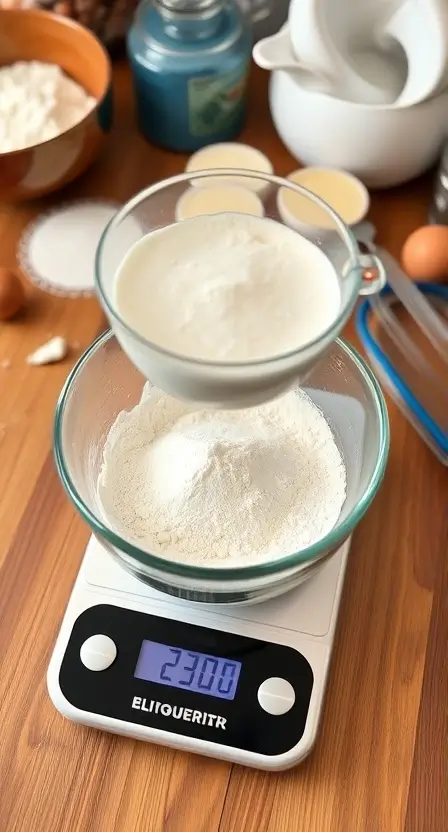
(380, 761)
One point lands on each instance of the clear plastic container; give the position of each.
(403, 337)
(104, 382)
(222, 384)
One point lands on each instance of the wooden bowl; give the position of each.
(27, 35)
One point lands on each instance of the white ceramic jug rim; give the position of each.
(357, 105)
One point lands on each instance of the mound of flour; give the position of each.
(38, 102)
(221, 488)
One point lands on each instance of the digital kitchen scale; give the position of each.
(243, 684)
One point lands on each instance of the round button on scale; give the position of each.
(276, 696)
(98, 652)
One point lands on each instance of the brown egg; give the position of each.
(12, 295)
(425, 253)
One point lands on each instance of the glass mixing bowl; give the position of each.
(231, 384)
(104, 382)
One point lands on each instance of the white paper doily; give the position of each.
(57, 251)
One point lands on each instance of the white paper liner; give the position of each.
(69, 254)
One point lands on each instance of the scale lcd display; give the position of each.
(188, 670)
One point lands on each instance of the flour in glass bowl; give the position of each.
(221, 488)
(38, 102)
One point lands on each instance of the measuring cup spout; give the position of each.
(276, 53)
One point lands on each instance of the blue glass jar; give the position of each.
(190, 61)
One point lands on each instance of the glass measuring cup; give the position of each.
(237, 384)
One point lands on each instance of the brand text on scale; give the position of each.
(178, 712)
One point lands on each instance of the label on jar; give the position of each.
(215, 100)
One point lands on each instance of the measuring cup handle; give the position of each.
(374, 276)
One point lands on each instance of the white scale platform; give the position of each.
(304, 620)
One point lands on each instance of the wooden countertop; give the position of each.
(380, 761)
